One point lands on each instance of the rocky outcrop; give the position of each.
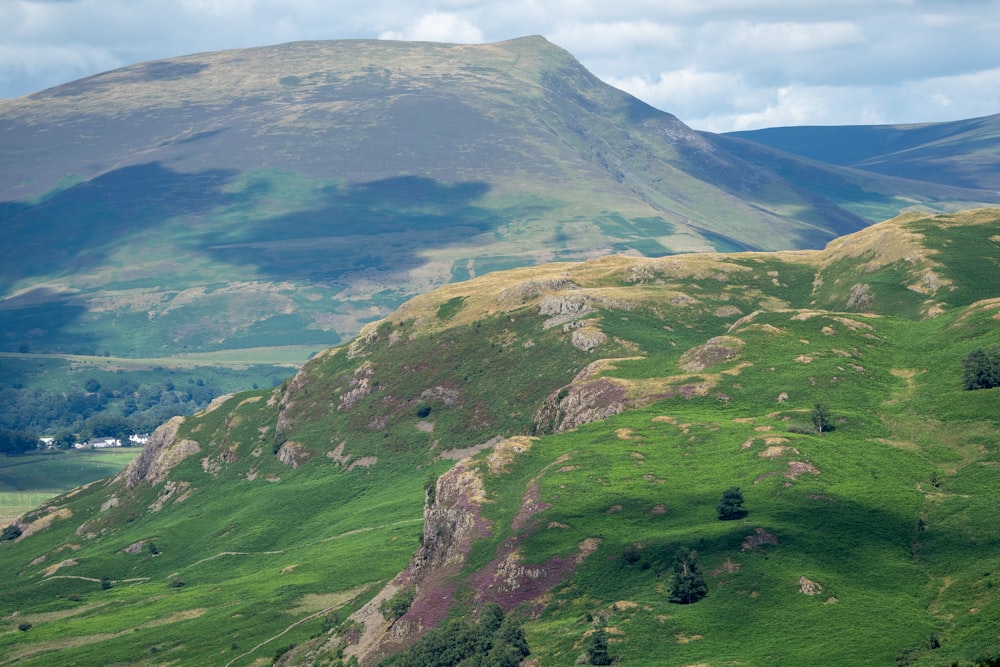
(292, 454)
(161, 453)
(580, 403)
(362, 384)
(452, 522)
(715, 351)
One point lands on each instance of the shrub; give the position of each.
(11, 532)
(632, 554)
(398, 604)
(982, 369)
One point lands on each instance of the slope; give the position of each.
(291, 194)
(959, 153)
(602, 408)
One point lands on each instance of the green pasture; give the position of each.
(29, 480)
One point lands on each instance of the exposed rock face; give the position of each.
(714, 351)
(362, 384)
(292, 454)
(580, 403)
(587, 339)
(161, 453)
(531, 289)
(298, 381)
(564, 308)
(452, 521)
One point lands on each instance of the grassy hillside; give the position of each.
(605, 406)
(288, 195)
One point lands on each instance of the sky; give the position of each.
(718, 65)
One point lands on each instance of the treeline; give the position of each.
(93, 410)
(13, 443)
(495, 641)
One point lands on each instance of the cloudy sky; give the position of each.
(719, 65)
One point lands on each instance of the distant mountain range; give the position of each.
(964, 153)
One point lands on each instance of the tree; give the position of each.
(687, 583)
(731, 504)
(821, 418)
(64, 439)
(511, 634)
(597, 648)
(17, 442)
(982, 369)
(104, 425)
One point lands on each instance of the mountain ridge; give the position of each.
(960, 153)
(294, 168)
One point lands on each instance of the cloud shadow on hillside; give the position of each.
(380, 225)
(77, 228)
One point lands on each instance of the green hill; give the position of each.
(288, 195)
(600, 410)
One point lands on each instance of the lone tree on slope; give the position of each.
(821, 419)
(687, 583)
(731, 504)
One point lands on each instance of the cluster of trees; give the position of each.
(13, 443)
(981, 368)
(495, 641)
(87, 409)
(687, 583)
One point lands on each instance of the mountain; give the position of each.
(287, 195)
(548, 439)
(964, 153)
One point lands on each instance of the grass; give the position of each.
(889, 520)
(29, 480)
(234, 256)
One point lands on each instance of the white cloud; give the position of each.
(788, 37)
(716, 64)
(438, 27)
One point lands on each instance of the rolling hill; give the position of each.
(962, 153)
(287, 195)
(547, 439)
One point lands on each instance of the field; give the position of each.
(28, 481)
